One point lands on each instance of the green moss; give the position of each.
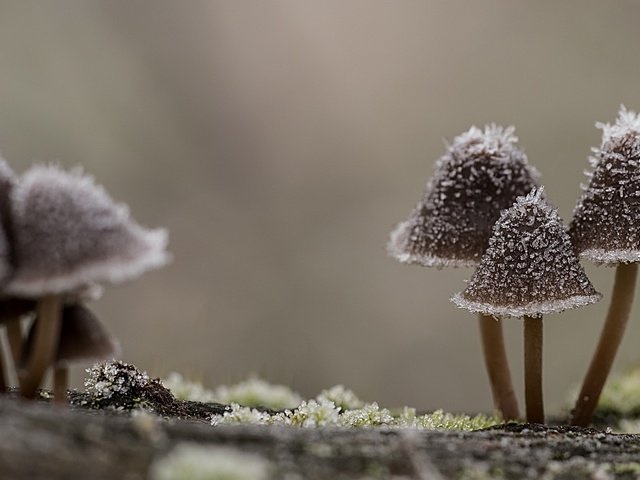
(622, 394)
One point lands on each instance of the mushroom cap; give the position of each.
(529, 268)
(7, 183)
(83, 338)
(69, 234)
(481, 174)
(606, 225)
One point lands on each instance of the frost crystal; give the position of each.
(114, 378)
(69, 234)
(316, 414)
(529, 267)
(606, 221)
(482, 173)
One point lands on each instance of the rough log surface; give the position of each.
(41, 441)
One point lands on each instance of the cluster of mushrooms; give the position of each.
(484, 207)
(61, 238)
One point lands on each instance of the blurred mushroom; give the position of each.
(481, 174)
(69, 235)
(606, 230)
(83, 339)
(529, 270)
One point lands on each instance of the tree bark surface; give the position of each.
(42, 441)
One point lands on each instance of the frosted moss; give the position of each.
(258, 393)
(313, 414)
(109, 379)
(622, 394)
(606, 226)
(342, 397)
(198, 462)
(185, 389)
(481, 173)
(529, 267)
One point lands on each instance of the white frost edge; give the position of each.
(627, 121)
(610, 258)
(534, 309)
(109, 270)
(396, 249)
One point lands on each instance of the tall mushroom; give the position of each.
(481, 174)
(83, 338)
(606, 230)
(529, 270)
(69, 235)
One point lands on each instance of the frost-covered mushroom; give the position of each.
(69, 235)
(606, 230)
(481, 174)
(529, 270)
(83, 339)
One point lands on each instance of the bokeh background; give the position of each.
(280, 141)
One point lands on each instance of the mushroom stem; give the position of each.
(497, 364)
(533, 369)
(47, 333)
(610, 338)
(60, 384)
(14, 335)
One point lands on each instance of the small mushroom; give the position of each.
(68, 236)
(481, 174)
(606, 230)
(529, 270)
(83, 339)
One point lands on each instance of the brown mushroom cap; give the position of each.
(83, 338)
(606, 221)
(69, 234)
(481, 174)
(529, 268)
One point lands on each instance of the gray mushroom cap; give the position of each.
(7, 183)
(83, 338)
(481, 174)
(69, 235)
(606, 221)
(529, 268)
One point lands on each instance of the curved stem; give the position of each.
(497, 364)
(45, 342)
(60, 384)
(14, 335)
(624, 288)
(533, 369)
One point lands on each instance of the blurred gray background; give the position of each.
(280, 141)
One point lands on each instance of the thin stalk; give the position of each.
(14, 335)
(497, 364)
(45, 342)
(624, 287)
(60, 384)
(533, 369)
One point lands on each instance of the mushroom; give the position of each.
(481, 174)
(606, 230)
(68, 236)
(529, 270)
(83, 338)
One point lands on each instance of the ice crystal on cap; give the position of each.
(529, 267)
(70, 234)
(606, 222)
(481, 174)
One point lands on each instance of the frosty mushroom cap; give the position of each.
(7, 183)
(606, 225)
(529, 268)
(482, 173)
(69, 234)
